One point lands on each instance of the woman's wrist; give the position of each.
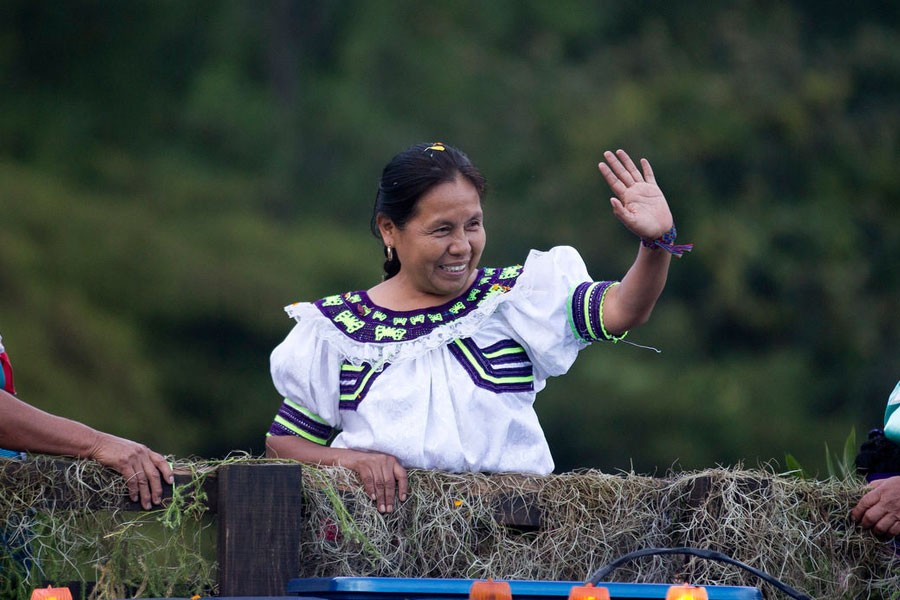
(667, 242)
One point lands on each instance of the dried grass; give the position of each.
(796, 530)
(452, 526)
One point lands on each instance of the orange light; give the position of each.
(686, 592)
(588, 592)
(490, 590)
(51, 593)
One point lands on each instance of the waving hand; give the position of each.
(638, 202)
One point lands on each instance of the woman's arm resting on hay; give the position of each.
(24, 427)
(382, 476)
(641, 206)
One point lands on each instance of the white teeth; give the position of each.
(454, 269)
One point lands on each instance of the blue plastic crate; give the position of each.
(388, 588)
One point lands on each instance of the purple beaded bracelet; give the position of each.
(667, 242)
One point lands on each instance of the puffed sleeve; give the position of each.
(556, 309)
(306, 373)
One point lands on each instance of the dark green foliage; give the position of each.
(173, 173)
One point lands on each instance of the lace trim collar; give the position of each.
(358, 318)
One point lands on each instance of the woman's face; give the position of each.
(440, 246)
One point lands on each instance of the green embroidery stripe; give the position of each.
(504, 352)
(362, 383)
(308, 413)
(569, 317)
(349, 367)
(296, 430)
(486, 376)
(587, 310)
(606, 334)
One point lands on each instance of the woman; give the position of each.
(438, 365)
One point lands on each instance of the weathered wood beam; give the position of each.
(259, 524)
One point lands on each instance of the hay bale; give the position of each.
(796, 530)
(65, 521)
(560, 527)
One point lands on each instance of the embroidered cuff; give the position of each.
(293, 419)
(586, 311)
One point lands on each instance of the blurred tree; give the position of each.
(172, 173)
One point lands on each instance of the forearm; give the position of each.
(629, 304)
(302, 450)
(24, 427)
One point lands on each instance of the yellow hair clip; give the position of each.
(436, 146)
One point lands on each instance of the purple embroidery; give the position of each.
(588, 326)
(357, 317)
(490, 373)
(355, 384)
(301, 421)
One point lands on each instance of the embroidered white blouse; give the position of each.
(450, 387)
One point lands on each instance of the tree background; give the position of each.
(173, 173)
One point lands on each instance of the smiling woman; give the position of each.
(438, 366)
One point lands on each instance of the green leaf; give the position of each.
(794, 466)
(849, 462)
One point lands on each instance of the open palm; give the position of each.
(638, 203)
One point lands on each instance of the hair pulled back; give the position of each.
(409, 176)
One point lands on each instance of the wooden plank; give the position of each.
(259, 524)
(518, 512)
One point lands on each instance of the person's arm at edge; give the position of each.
(24, 427)
(380, 473)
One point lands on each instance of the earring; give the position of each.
(390, 253)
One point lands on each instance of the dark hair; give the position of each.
(409, 176)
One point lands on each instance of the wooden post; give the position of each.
(259, 528)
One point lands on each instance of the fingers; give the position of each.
(142, 479)
(131, 482)
(619, 210)
(632, 170)
(152, 471)
(868, 511)
(875, 512)
(384, 479)
(402, 482)
(165, 469)
(394, 485)
(621, 173)
(648, 171)
(612, 179)
(622, 167)
(887, 525)
(144, 470)
(894, 530)
(146, 495)
(384, 489)
(367, 476)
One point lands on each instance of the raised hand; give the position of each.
(638, 202)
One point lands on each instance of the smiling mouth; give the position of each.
(453, 268)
